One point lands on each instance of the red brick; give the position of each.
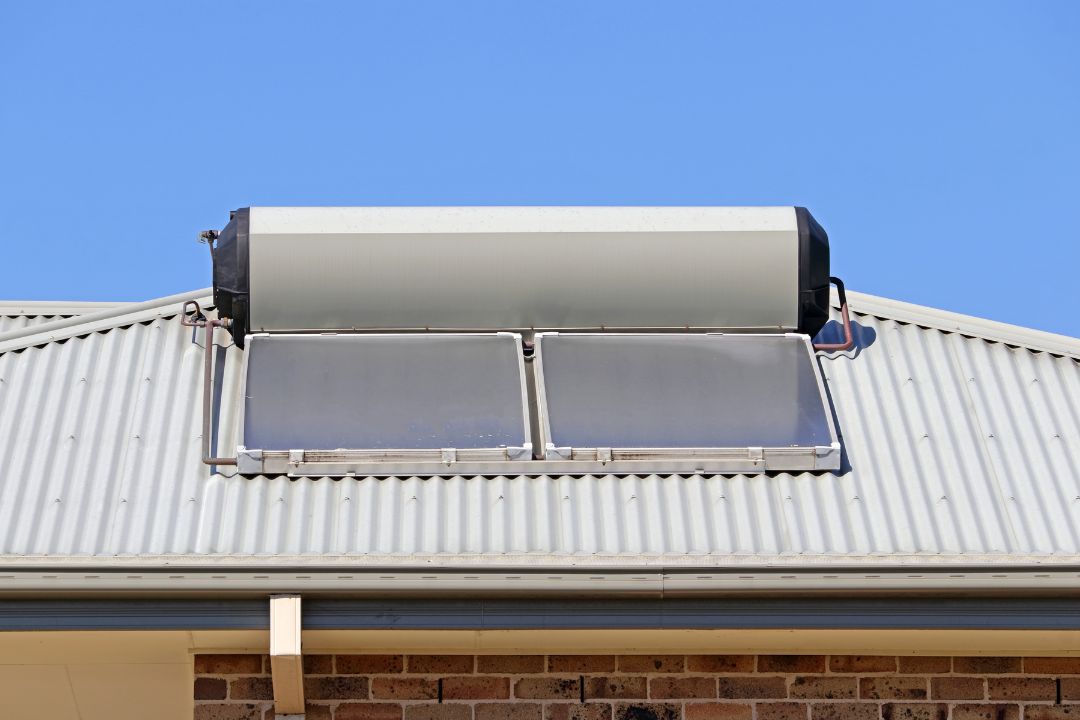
(914, 711)
(581, 663)
(618, 687)
(404, 688)
(1022, 688)
(318, 664)
(548, 688)
(684, 688)
(647, 711)
(514, 664)
(892, 688)
(255, 688)
(1052, 665)
(311, 712)
(574, 711)
(782, 711)
(1070, 689)
(791, 663)
(844, 711)
(987, 665)
(369, 664)
(651, 663)
(752, 687)
(366, 711)
(508, 711)
(825, 687)
(720, 663)
(439, 663)
(862, 663)
(1051, 712)
(336, 687)
(720, 711)
(476, 688)
(454, 711)
(957, 688)
(985, 712)
(210, 688)
(228, 712)
(925, 665)
(228, 664)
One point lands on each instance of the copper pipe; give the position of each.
(849, 338)
(196, 318)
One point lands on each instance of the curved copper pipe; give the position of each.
(849, 338)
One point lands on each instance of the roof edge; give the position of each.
(105, 319)
(531, 582)
(969, 325)
(38, 308)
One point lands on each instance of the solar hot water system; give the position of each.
(499, 340)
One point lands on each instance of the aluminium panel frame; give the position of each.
(807, 457)
(434, 461)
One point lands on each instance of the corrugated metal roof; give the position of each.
(16, 316)
(959, 449)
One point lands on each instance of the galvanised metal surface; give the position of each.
(20, 315)
(957, 450)
(18, 322)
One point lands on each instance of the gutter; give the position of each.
(815, 613)
(597, 582)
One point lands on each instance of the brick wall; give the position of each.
(649, 687)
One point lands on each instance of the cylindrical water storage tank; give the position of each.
(740, 269)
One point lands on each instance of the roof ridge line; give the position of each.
(970, 325)
(106, 319)
(115, 315)
(39, 308)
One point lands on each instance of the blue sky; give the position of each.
(938, 143)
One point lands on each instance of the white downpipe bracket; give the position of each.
(286, 658)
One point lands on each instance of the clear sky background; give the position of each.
(937, 142)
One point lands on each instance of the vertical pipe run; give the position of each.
(194, 317)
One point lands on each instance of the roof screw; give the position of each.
(57, 500)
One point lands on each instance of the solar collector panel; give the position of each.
(405, 392)
(660, 393)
